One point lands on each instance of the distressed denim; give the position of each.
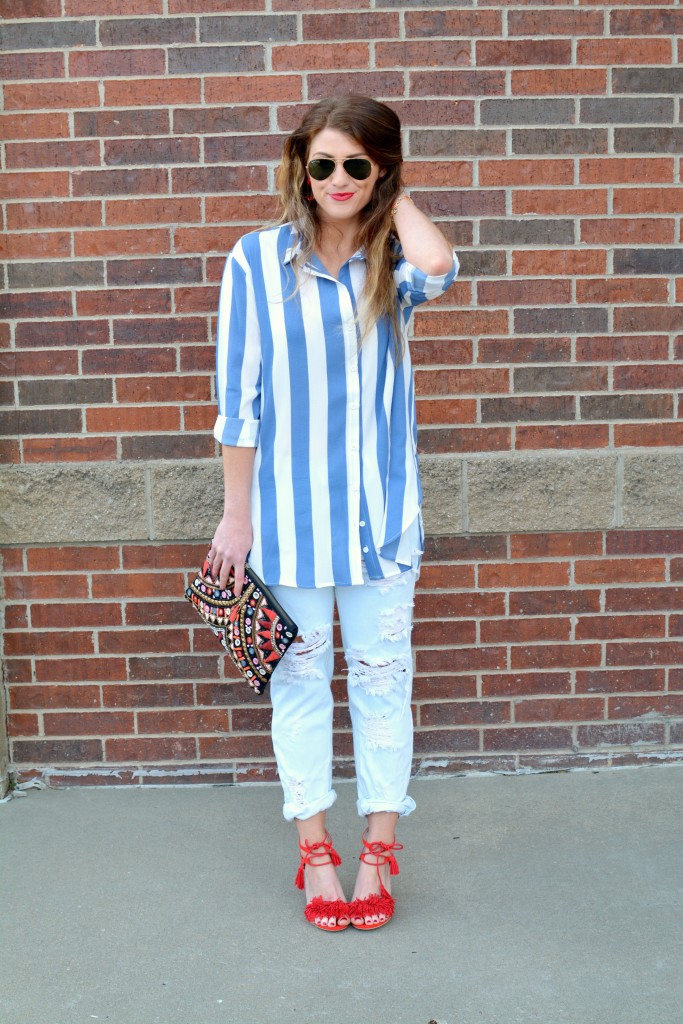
(376, 621)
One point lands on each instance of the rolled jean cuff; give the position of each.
(403, 808)
(303, 811)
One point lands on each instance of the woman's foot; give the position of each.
(372, 904)
(326, 905)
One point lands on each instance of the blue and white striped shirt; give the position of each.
(336, 479)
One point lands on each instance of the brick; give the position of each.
(663, 377)
(74, 642)
(55, 752)
(471, 712)
(648, 200)
(571, 709)
(465, 547)
(555, 655)
(512, 53)
(653, 704)
(523, 683)
(648, 140)
(199, 60)
(446, 411)
(151, 92)
(41, 243)
(313, 56)
(648, 318)
(436, 324)
(610, 681)
(431, 142)
(54, 559)
(224, 209)
(467, 439)
(571, 201)
(513, 410)
(113, 361)
(522, 293)
(155, 271)
(55, 334)
(571, 320)
(457, 83)
(526, 739)
(220, 119)
(65, 392)
(123, 301)
(560, 378)
(527, 111)
(651, 435)
(118, 152)
(559, 82)
(87, 723)
(43, 421)
(164, 210)
(150, 695)
(23, 216)
(43, 697)
(622, 170)
(126, 419)
(30, 9)
(620, 407)
(622, 289)
(556, 23)
(125, 182)
(23, 588)
(149, 613)
(74, 449)
(461, 659)
(254, 89)
(561, 437)
(235, 746)
(233, 28)
(147, 31)
(60, 34)
(446, 53)
(218, 149)
(616, 231)
(623, 51)
(34, 126)
(113, 124)
(80, 8)
(516, 630)
(51, 95)
(430, 382)
(656, 22)
(187, 330)
(31, 65)
(634, 110)
(172, 668)
(137, 641)
(143, 749)
(190, 720)
(619, 735)
(524, 350)
(654, 80)
(137, 585)
(526, 232)
(571, 262)
(443, 576)
(523, 574)
(159, 389)
(369, 25)
(52, 154)
(57, 274)
(644, 653)
(437, 23)
(546, 141)
(526, 172)
(647, 261)
(110, 63)
(609, 627)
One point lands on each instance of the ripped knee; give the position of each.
(396, 623)
(299, 662)
(378, 676)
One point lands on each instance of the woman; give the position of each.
(318, 432)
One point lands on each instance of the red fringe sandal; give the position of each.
(318, 907)
(377, 854)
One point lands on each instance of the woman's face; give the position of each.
(340, 197)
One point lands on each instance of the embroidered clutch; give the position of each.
(253, 628)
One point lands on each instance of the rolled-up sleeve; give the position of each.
(414, 286)
(238, 356)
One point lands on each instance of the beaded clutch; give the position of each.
(253, 628)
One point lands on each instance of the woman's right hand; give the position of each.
(229, 549)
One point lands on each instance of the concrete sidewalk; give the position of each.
(553, 898)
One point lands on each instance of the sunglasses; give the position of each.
(357, 167)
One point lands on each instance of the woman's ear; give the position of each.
(382, 172)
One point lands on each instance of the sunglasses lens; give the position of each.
(358, 168)
(321, 169)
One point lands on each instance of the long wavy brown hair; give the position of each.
(378, 130)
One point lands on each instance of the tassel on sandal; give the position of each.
(377, 854)
(319, 907)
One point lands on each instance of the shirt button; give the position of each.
(365, 550)
(362, 522)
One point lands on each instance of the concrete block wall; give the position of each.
(545, 138)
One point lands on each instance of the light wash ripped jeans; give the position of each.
(376, 620)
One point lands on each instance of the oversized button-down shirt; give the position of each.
(336, 479)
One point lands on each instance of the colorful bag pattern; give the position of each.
(253, 628)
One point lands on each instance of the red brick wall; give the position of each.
(545, 138)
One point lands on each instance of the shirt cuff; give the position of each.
(235, 432)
